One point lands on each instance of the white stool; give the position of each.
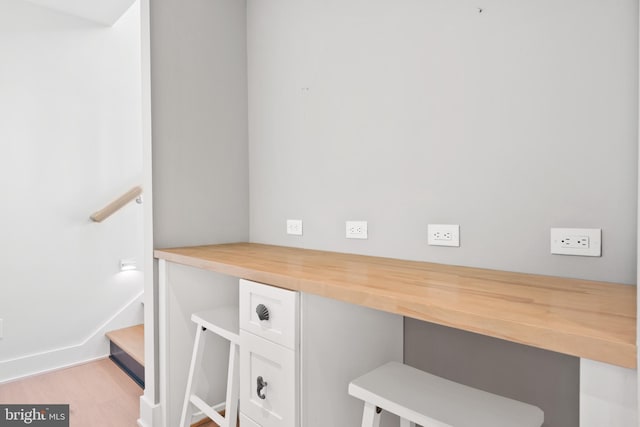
(421, 398)
(223, 322)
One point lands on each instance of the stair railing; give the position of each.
(117, 204)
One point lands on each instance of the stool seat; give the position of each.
(222, 321)
(425, 399)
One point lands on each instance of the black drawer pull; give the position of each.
(261, 385)
(262, 311)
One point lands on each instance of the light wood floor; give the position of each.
(208, 424)
(99, 394)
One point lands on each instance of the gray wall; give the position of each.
(199, 108)
(507, 121)
(199, 125)
(543, 378)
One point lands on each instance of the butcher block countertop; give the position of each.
(593, 320)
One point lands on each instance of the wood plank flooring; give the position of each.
(208, 423)
(99, 394)
(205, 423)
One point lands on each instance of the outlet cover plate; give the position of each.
(443, 234)
(356, 230)
(576, 241)
(294, 227)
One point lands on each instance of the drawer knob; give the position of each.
(261, 385)
(262, 311)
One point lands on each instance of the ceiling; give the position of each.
(105, 12)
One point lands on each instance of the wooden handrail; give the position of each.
(117, 204)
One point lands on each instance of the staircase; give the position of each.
(127, 351)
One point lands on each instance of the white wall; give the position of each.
(506, 117)
(70, 142)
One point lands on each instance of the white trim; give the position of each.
(149, 413)
(100, 328)
(94, 347)
(60, 368)
(150, 398)
(163, 337)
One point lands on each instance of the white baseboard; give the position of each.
(95, 346)
(150, 413)
(59, 368)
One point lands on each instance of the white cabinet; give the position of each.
(269, 354)
(270, 313)
(307, 351)
(268, 382)
(247, 422)
(338, 343)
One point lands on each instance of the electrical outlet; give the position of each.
(356, 230)
(443, 234)
(576, 241)
(294, 226)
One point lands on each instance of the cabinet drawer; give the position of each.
(280, 312)
(274, 404)
(246, 421)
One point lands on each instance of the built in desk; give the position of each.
(587, 319)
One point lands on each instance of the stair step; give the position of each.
(127, 351)
(130, 340)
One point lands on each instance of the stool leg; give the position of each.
(370, 418)
(406, 423)
(185, 419)
(233, 388)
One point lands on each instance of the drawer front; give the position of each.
(280, 312)
(247, 422)
(261, 361)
